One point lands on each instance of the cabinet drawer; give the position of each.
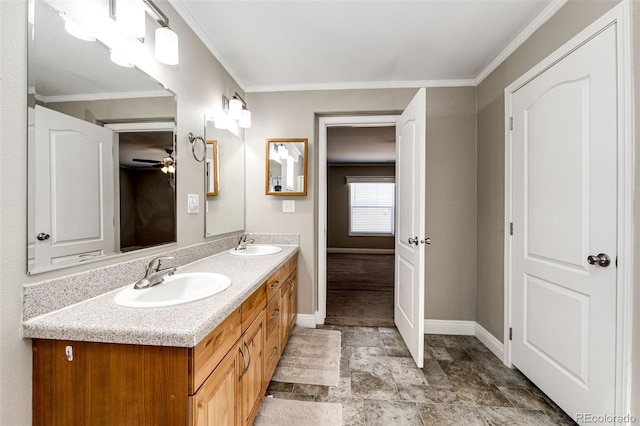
(207, 354)
(274, 282)
(274, 315)
(252, 306)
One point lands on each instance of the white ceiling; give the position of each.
(304, 44)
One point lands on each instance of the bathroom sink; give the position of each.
(256, 250)
(174, 290)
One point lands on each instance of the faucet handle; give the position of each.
(154, 264)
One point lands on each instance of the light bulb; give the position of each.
(245, 119)
(130, 16)
(164, 169)
(172, 169)
(283, 152)
(167, 46)
(235, 108)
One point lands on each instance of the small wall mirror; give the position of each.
(286, 169)
(224, 182)
(212, 167)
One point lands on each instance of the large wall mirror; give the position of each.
(224, 182)
(286, 169)
(101, 150)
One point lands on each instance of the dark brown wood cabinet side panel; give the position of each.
(109, 384)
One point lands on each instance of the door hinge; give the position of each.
(510, 333)
(511, 228)
(510, 123)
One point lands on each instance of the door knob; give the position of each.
(602, 259)
(413, 240)
(42, 236)
(426, 241)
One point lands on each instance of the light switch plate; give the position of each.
(288, 206)
(193, 203)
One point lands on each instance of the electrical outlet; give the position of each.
(288, 206)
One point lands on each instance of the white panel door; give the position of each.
(74, 189)
(410, 226)
(563, 300)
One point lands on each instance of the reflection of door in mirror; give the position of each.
(212, 167)
(286, 170)
(225, 209)
(73, 199)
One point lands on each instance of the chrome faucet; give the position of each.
(153, 274)
(242, 242)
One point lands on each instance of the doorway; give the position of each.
(360, 225)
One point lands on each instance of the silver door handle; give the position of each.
(602, 260)
(426, 241)
(413, 240)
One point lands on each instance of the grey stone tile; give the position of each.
(280, 387)
(362, 338)
(434, 374)
(344, 360)
(450, 415)
(499, 373)
(352, 412)
(385, 413)
(524, 398)
(503, 416)
(394, 345)
(488, 396)
(465, 374)
(343, 390)
(428, 394)
(315, 390)
(369, 386)
(404, 371)
(369, 360)
(444, 341)
(441, 354)
(458, 354)
(389, 330)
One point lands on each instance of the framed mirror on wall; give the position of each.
(224, 182)
(286, 167)
(102, 160)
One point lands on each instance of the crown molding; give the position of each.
(543, 17)
(361, 85)
(202, 35)
(103, 96)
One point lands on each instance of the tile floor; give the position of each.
(462, 383)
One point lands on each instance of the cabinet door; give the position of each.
(252, 382)
(285, 302)
(218, 400)
(293, 299)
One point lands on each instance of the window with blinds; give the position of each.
(371, 206)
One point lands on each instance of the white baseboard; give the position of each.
(490, 341)
(360, 250)
(466, 328)
(306, 320)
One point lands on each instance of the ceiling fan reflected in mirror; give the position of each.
(166, 164)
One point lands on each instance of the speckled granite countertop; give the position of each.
(101, 320)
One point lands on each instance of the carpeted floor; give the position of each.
(360, 289)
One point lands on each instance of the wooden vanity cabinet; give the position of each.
(220, 381)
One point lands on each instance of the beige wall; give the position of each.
(450, 290)
(451, 172)
(199, 82)
(338, 206)
(566, 23)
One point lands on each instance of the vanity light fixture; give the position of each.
(128, 12)
(236, 109)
